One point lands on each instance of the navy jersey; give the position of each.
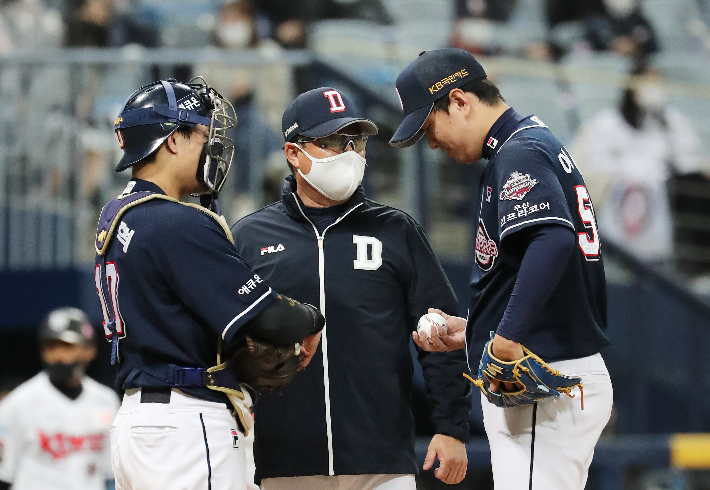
(532, 180)
(177, 285)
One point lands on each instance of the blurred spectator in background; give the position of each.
(129, 27)
(478, 21)
(104, 23)
(627, 155)
(599, 25)
(257, 151)
(27, 24)
(54, 428)
(237, 27)
(258, 93)
(289, 18)
(287, 21)
(622, 28)
(88, 23)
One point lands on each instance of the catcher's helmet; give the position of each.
(155, 111)
(67, 324)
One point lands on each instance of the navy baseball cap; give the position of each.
(431, 76)
(321, 112)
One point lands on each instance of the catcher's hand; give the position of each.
(521, 382)
(263, 366)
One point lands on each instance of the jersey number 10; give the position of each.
(112, 280)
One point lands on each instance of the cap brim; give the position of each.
(329, 127)
(410, 130)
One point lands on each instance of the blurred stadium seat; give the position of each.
(596, 80)
(540, 96)
(181, 23)
(415, 10)
(670, 19)
(344, 39)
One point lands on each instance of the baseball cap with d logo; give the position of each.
(321, 112)
(426, 79)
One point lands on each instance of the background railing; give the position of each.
(57, 146)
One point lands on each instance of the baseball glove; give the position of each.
(534, 379)
(262, 366)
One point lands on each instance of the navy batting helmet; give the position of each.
(155, 111)
(67, 324)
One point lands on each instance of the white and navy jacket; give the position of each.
(372, 273)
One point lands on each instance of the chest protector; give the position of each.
(217, 377)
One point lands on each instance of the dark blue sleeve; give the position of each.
(448, 392)
(548, 251)
(529, 192)
(203, 268)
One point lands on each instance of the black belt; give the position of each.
(156, 395)
(162, 395)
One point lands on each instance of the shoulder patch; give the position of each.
(517, 186)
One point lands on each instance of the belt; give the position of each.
(156, 395)
(162, 395)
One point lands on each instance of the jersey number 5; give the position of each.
(588, 240)
(112, 283)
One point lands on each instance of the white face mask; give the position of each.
(335, 177)
(235, 34)
(651, 96)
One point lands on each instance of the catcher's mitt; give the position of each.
(534, 378)
(262, 366)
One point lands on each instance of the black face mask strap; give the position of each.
(209, 201)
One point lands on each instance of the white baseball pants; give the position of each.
(341, 482)
(555, 441)
(187, 444)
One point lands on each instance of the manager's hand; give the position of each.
(452, 456)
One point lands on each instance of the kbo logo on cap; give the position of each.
(336, 101)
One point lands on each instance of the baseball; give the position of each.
(429, 321)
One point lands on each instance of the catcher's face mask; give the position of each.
(218, 151)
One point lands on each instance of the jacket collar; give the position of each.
(291, 200)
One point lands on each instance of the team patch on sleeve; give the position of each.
(517, 186)
(486, 249)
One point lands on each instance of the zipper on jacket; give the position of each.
(324, 336)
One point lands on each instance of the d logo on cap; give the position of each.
(336, 101)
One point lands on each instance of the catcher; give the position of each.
(538, 277)
(175, 296)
